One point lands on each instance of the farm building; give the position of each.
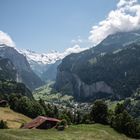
(3, 103)
(41, 122)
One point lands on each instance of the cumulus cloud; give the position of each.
(81, 42)
(75, 49)
(126, 2)
(5, 39)
(78, 40)
(125, 18)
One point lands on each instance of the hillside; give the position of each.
(13, 119)
(7, 70)
(9, 87)
(24, 72)
(45, 92)
(106, 70)
(76, 132)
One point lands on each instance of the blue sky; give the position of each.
(44, 25)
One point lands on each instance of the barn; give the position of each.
(42, 122)
(3, 103)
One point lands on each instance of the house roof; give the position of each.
(3, 101)
(38, 121)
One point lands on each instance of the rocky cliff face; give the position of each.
(101, 71)
(7, 70)
(19, 61)
(71, 84)
(24, 72)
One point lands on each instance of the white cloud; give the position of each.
(78, 40)
(83, 43)
(125, 18)
(75, 49)
(5, 39)
(126, 2)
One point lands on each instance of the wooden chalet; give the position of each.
(41, 122)
(3, 103)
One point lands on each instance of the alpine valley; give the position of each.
(45, 64)
(103, 71)
(70, 70)
(65, 84)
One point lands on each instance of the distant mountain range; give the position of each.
(109, 70)
(45, 64)
(29, 67)
(49, 58)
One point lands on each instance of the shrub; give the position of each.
(63, 122)
(123, 122)
(3, 125)
(62, 125)
(99, 112)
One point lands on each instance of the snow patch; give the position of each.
(49, 58)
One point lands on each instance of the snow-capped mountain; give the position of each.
(45, 64)
(49, 58)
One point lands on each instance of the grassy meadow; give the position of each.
(45, 93)
(74, 132)
(13, 119)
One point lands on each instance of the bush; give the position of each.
(99, 112)
(86, 119)
(123, 122)
(3, 125)
(65, 117)
(63, 122)
(62, 125)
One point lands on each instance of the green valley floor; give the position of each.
(74, 132)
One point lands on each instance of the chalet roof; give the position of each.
(38, 121)
(3, 101)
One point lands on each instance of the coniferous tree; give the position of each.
(99, 112)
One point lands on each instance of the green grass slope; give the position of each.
(45, 93)
(13, 119)
(75, 132)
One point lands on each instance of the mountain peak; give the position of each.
(122, 38)
(49, 58)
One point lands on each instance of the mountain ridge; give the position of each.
(45, 64)
(24, 73)
(78, 74)
(49, 58)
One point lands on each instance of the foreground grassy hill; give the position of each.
(13, 119)
(75, 132)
